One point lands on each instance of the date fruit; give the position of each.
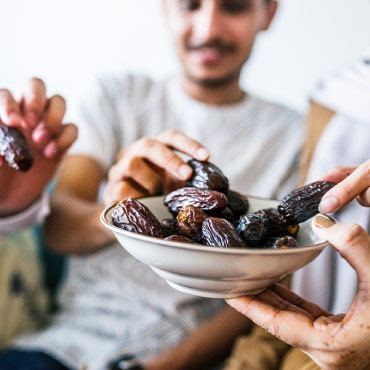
(207, 176)
(218, 232)
(131, 215)
(169, 226)
(225, 213)
(286, 242)
(189, 222)
(15, 149)
(204, 199)
(303, 203)
(276, 223)
(179, 238)
(253, 228)
(238, 203)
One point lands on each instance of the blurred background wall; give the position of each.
(68, 42)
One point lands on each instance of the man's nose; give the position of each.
(208, 23)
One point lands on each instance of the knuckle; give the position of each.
(352, 233)
(145, 143)
(172, 132)
(172, 160)
(131, 164)
(168, 133)
(365, 170)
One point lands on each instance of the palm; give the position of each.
(323, 336)
(19, 189)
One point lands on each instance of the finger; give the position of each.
(161, 156)
(352, 241)
(183, 143)
(62, 143)
(347, 190)
(364, 198)
(41, 136)
(9, 109)
(56, 109)
(34, 102)
(338, 174)
(282, 304)
(124, 189)
(291, 327)
(138, 170)
(314, 310)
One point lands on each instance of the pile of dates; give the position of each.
(207, 212)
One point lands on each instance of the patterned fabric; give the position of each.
(113, 304)
(23, 303)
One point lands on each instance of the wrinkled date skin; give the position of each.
(207, 176)
(253, 228)
(286, 242)
(169, 226)
(15, 149)
(218, 232)
(238, 203)
(189, 222)
(204, 199)
(303, 203)
(131, 215)
(179, 238)
(276, 223)
(225, 213)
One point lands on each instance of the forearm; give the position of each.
(73, 226)
(206, 346)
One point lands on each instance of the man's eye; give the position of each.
(236, 6)
(190, 5)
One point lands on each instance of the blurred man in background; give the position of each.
(131, 128)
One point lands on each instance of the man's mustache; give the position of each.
(217, 44)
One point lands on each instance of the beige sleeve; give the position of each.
(258, 350)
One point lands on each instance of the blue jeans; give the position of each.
(28, 360)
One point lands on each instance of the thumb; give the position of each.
(351, 241)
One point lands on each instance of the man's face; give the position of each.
(214, 38)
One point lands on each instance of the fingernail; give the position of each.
(185, 171)
(322, 221)
(51, 150)
(40, 134)
(202, 153)
(328, 205)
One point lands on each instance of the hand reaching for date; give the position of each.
(150, 166)
(40, 121)
(353, 182)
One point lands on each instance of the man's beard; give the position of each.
(214, 83)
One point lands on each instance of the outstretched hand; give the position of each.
(40, 118)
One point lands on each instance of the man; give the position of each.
(24, 204)
(111, 304)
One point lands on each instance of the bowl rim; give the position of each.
(205, 248)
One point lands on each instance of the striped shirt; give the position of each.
(111, 303)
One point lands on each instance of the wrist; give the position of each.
(33, 214)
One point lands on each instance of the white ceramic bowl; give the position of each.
(216, 272)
